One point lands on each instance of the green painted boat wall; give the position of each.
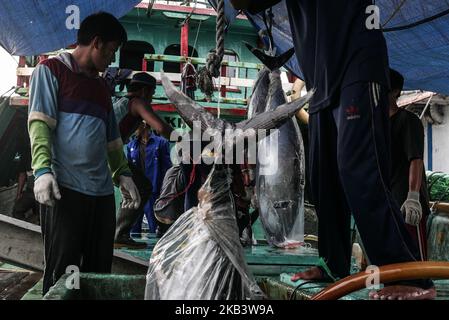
(126, 287)
(132, 287)
(161, 31)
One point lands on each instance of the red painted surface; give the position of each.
(144, 65)
(223, 87)
(184, 42)
(173, 8)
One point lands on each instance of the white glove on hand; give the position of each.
(46, 190)
(130, 194)
(412, 209)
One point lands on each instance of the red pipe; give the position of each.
(184, 41)
(388, 273)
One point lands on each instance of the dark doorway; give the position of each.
(175, 50)
(132, 53)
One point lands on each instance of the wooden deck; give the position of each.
(262, 259)
(16, 282)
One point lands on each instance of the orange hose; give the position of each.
(387, 273)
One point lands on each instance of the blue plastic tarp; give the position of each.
(31, 27)
(420, 51)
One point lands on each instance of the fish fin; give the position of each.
(270, 62)
(188, 109)
(275, 118)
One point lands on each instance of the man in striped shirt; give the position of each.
(75, 145)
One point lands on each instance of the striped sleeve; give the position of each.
(43, 96)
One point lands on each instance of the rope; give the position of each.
(219, 37)
(197, 33)
(395, 12)
(214, 58)
(190, 14)
(3, 94)
(417, 23)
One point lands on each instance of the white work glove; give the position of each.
(46, 190)
(412, 209)
(130, 193)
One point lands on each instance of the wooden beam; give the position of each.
(176, 77)
(21, 242)
(195, 60)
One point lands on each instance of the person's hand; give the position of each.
(46, 190)
(130, 193)
(412, 209)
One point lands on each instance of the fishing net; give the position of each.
(438, 186)
(200, 257)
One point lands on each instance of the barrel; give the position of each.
(438, 236)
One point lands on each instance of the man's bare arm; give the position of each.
(21, 184)
(151, 118)
(415, 175)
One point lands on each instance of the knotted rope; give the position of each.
(215, 57)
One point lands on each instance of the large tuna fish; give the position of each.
(280, 179)
(258, 100)
(200, 256)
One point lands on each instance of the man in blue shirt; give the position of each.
(347, 64)
(149, 159)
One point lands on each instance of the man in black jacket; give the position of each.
(347, 64)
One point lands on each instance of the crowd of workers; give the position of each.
(358, 165)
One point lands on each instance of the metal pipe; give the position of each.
(425, 108)
(388, 273)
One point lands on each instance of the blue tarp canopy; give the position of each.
(31, 27)
(417, 34)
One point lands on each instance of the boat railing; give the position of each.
(223, 85)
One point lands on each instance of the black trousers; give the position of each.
(127, 218)
(78, 231)
(350, 170)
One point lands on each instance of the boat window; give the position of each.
(175, 50)
(132, 53)
(231, 56)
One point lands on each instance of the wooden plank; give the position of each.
(176, 77)
(8, 280)
(257, 255)
(21, 242)
(195, 60)
(21, 288)
(20, 223)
